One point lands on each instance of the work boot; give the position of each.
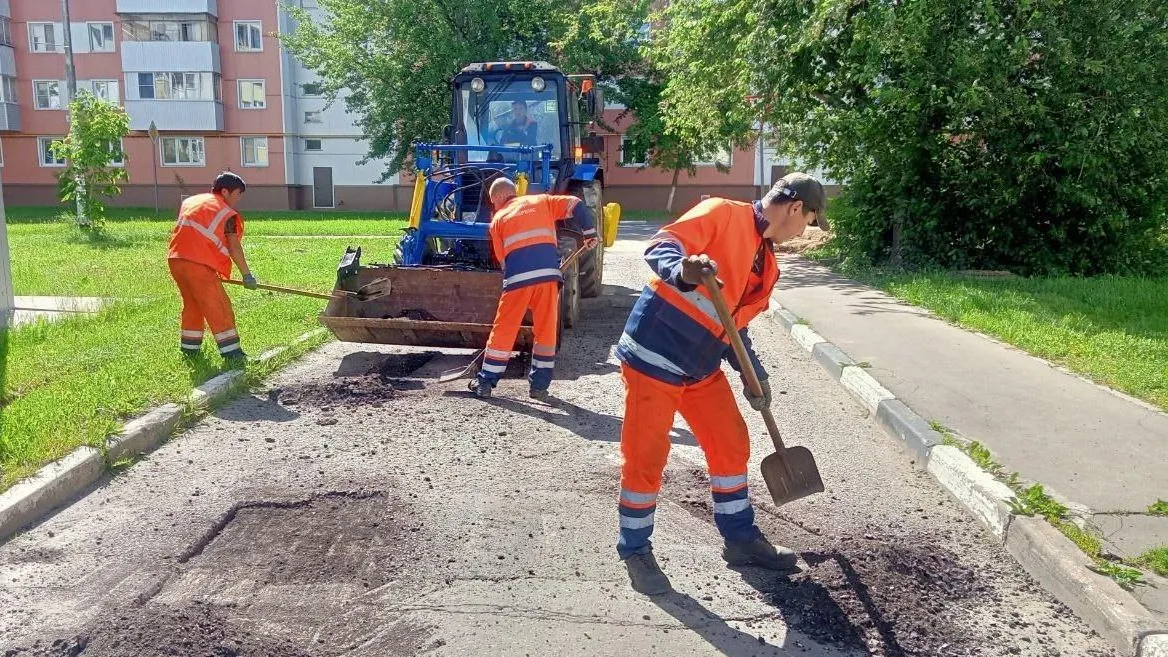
(536, 393)
(646, 576)
(479, 388)
(236, 360)
(761, 553)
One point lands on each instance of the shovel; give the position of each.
(790, 473)
(477, 361)
(374, 289)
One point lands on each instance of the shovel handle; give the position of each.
(286, 290)
(744, 361)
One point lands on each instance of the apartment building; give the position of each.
(222, 94)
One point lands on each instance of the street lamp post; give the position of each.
(153, 130)
(7, 300)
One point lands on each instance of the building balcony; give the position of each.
(176, 115)
(7, 61)
(9, 117)
(168, 7)
(5, 8)
(169, 56)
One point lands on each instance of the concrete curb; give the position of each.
(66, 479)
(1039, 548)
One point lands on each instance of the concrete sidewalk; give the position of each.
(1084, 443)
(31, 309)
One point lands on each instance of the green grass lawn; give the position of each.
(73, 382)
(1113, 330)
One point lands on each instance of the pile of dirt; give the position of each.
(381, 382)
(812, 238)
(197, 629)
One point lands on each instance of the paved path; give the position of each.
(31, 309)
(1085, 443)
(344, 518)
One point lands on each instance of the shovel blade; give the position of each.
(463, 372)
(791, 475)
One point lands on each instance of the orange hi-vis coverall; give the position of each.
(199, 259)
(523, 239)
(671, 353)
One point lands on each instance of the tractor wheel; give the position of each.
(592, 263)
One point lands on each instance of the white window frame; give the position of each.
(59, 46)
(122, 147)
(318, 114)
(1, 154)
(8, 82)
(304, 90)
(61, 102)
(117, 99)
(318, 140)
(5, 32)
(43, 152)
(111, 45)
(713, 162)
(621, 157)
(263, 93)
(243, 152)
(175, 138)
(259, 25)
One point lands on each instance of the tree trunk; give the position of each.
(672, 192)
(896, 258)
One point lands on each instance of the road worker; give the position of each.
(520, 129)
(671, 352)
(204, 243)
(524, 241)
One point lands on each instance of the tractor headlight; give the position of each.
(538, 83)
(477, 85)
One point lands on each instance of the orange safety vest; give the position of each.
(676, 336)
(200, 234)
(523, 237)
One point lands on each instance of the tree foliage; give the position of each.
(1026, 135)
(91, 148)
(391, 60)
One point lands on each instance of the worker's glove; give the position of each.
(694, 266)
(249, 281)
(758, 403)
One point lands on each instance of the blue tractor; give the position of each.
(520, 120)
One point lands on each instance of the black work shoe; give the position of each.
(479, 388)
(761, 553)
(236, 360)
(646, 576)
(539, 394)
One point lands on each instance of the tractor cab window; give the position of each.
(509, 111)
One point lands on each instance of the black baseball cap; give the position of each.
(798, 186)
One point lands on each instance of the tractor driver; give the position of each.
(521, 129)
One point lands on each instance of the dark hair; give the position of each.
(228, 181)
(519, 102)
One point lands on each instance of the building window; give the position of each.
(313, 145)
(183, 152)
(721, 157)
(255, 151)
(106, 90)
(178, 86)
(101, 37)
(46, 94)
(249, 36)
(313, 117)
(1, 155)
(312, 89)
(44, 37)
(251, 94)
(631, 155)
(169, 31)
(119, 155)
(45, 152)
(5, 31)
(8, 89)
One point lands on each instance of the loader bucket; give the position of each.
(424, 306)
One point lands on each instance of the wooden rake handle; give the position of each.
(285, 290)
(744, 362)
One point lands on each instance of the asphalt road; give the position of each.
(357, 507)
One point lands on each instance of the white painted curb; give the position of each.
(66, 479)
(864, 388)
(976, 489)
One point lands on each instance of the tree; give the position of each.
(391, 60)
(90, 151)
(1027, 136)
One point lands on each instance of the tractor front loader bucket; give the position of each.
(424, 306)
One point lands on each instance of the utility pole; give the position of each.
(71, 87)
(7, 300)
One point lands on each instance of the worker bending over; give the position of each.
(204, 243)
(524, 241)
(671, 353)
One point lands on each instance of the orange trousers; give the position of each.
(543, 299)
(709, 408)
(205, 302)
